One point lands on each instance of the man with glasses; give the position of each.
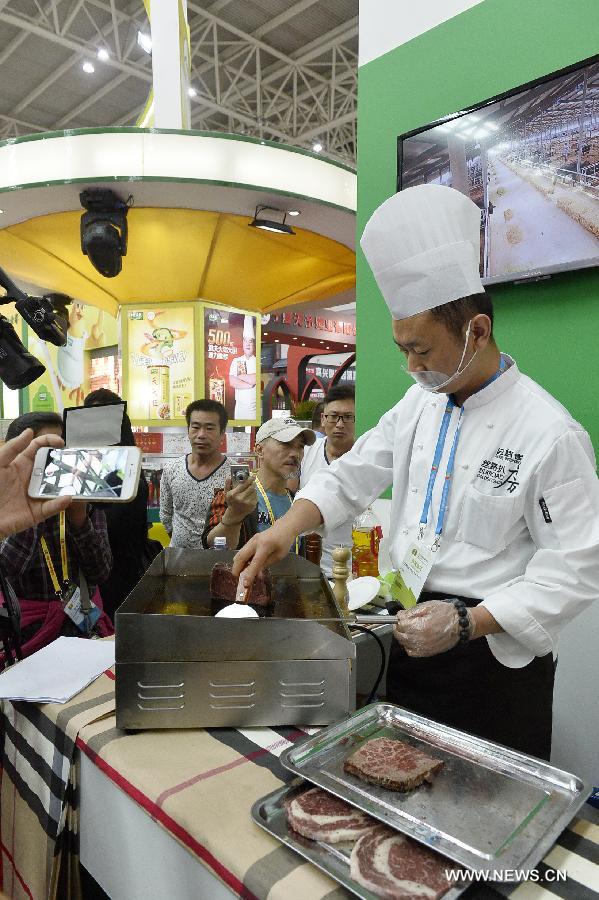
(338, 421)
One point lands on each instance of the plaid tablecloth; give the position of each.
(38, 791)
(199, 785)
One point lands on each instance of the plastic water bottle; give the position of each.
(220, 543)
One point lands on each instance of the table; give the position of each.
(174, 805)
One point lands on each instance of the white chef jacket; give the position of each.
(521, 531)
(315, 460)
(245, 398)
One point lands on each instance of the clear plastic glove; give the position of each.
(428, 628)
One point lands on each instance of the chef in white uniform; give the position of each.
(242, 374)
(495, 510)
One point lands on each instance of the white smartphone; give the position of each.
(92, 474)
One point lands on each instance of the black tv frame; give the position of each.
(532, 274)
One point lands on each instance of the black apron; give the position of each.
(468, 689)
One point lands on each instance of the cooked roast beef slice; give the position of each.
(223, 585)
(324, 817)
(392, 764)
(391, 865)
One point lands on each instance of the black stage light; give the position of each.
(104, 229)
(18, 367)
(269, 224)
(47, 315)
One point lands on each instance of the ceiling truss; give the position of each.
(244, 83)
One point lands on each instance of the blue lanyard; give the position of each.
(451, 405)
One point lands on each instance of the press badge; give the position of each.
(71, 605)
(414, 569)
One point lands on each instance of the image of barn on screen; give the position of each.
(530, 161)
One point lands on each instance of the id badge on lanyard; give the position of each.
(68, 594)
(409, 580)
(418, 560)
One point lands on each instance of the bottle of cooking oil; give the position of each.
(366, 534)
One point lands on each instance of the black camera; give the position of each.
(239, 473)
(18, 367)
(47, 315)
(48, 322)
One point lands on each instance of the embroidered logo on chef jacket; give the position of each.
(503, 470)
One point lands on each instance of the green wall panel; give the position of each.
(551, 327)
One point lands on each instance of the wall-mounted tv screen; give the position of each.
(530, 160)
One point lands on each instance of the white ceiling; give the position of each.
(281, 70)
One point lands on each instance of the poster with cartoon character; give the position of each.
(66, 379)
(159, 362)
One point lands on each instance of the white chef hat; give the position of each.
(422, 245)
(248, 328)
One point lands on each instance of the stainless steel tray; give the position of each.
(269, 814)
(489, 808)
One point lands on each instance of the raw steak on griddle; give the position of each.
(392, 764)
(223, 585)
(391, 865)
(324, 817)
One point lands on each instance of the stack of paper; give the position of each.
(57, 672)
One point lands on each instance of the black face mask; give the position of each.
(18, 367)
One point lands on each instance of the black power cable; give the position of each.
(379, 677)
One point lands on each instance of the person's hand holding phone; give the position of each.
(241, 500)
(19, 511)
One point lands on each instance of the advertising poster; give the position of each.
(160, 362)
(232, 373)
(66, 380)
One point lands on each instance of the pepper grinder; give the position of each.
(340, 575)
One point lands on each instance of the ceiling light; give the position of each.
(345, 345)
(144, 41)
(322, 342)
(295, 339)
(1, 212)
(265, 333)
(317, 147)
(104, 230)
(88, 67)
(270, 224)
(191, 91)
(103, 54)
(303, 345)
(277, 341)
(293, 212)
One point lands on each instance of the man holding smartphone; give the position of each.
(45, 563)
(254, 504)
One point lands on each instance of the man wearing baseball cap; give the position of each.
(239, 512)
(494, 534)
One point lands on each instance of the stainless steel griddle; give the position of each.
(177, 666)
